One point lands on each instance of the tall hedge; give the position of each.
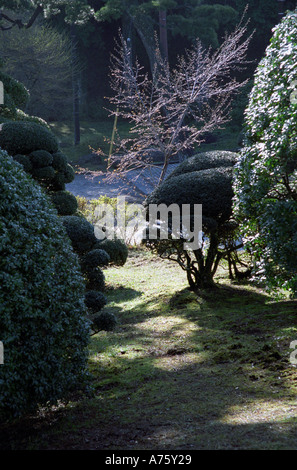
(43, 324)
(266, 175)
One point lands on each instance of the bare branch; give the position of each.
(172, 110)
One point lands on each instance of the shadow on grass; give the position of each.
(207, 372)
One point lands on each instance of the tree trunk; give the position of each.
(163, 34)
(75, 86)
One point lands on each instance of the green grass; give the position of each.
(94, 135)
(180, 371)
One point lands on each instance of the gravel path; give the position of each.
(135, 186)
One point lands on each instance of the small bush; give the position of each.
(42, 311)
(94, 259)
(65, 202)
(95, 279)
(57, 183)
(44, 175)
(205, 161)
(59, 161)
(95, 301)
(117, 250)
(80, 232)
(104, 321)
(41, 158)
(69, 174)
(25, 137)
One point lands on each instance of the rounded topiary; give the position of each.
(95, 279)
(212, 189)
(43, 322)
(205, 161)
(65, 202)
(44, 175)
(105, 321)
(59, 161)
(41, 158)
(94, 258)
(58, 182)
(116, 248)
(68, 174)
(80, 232)
(95, 301)
(25, 137)
(25, 161)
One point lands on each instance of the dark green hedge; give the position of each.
(43, 324)
(26, 137)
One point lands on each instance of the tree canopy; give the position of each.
(206, 179)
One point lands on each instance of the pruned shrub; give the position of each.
(59, 161)
(94, 258)
(80, 232)
(43, 322)
(194, 183)
(69, 174)
(95, 301)
(44, 175)
(116, 248)
(205, 161)
(41, 158)
(104, 321)
(25, 137)
(95, 279)
(65, 202)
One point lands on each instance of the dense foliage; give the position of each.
(43, 316)
(203, 179)
(116, 249)
(266, 184)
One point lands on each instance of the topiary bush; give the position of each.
(65, 202)
(80, 232)
(205, 161)
(194, 183)
(25, 161)
(26, 137)
(41, 158)
(265, 183)
(94, 259)
(104, 321)
(116, 249)
(95, 301)
(95, 279)
(43, 324)
(34, 142)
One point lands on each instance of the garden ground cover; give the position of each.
(180, 372)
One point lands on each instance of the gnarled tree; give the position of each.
(203, 179)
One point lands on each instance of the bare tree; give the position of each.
(171, 110)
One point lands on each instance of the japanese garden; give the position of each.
(114, 337)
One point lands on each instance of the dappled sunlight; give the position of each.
(173, 363)
(262, 411)
(165, 325)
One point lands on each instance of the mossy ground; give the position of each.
(180, 371)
